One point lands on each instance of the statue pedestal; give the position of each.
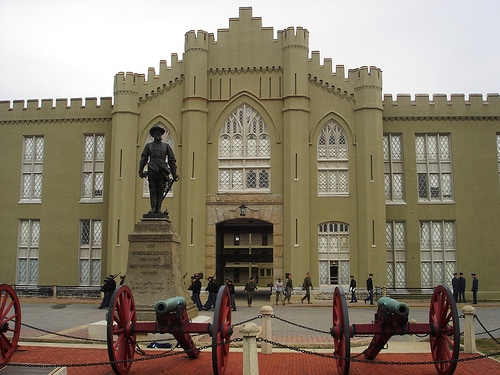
(153, 269)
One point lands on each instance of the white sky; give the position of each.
(74, 48)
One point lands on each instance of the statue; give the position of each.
(160, 159)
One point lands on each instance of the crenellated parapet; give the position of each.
(60, 109)
(439, 107)
(294, 38)
(198, 41)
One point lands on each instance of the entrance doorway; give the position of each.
(244, 249)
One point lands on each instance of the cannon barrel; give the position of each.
(398, 308)
(169, 305)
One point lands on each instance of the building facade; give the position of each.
(286, 165)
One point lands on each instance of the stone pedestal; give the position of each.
(153, 269)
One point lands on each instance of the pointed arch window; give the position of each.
(244, 152)
(333, 161)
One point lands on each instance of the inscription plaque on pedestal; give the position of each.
(153, 268)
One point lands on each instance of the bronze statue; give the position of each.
(160, 159)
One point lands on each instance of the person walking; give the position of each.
(455, 285)
(475, 288)
(461, 288)
(232, 293)
(279, 288)
(352, 289)
(195, 288)
(212, 294)
(369, 288)
(288, 288)
(307, 285)
(250, 288)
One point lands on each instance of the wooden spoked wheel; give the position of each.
(445, 330)
(341, 331)
(121, 338)
(10, 323)
(221, 331)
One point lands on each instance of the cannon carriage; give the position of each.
(391, 319)
(10, 323)
(172, 318)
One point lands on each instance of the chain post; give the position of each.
(469, 330)
(250, 358)
(267, 331)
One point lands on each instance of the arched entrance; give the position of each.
(244, 248)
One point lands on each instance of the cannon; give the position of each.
(391, 319)
(10, 323)
(171, 317)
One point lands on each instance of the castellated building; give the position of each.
(287, 164)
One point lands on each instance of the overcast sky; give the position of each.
(74, 48)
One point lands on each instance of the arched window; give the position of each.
(244, 152)
(333, 253)
(333, 162)
(166, 138)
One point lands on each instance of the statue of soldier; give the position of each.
(160, 159)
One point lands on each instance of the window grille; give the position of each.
(333, 163)
(31, 180)
(434, 175)
(244, 152)
(93, 166)
(90, 252)
(28, 252)
(334, 251)
(393, 168)
(395, 232)
(437, 253)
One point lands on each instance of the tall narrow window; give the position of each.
(333, 162)
(434, 167)
(28, 251)
(93, 167)
(437, 253)
(90, 252)
(244, 152)
(393, 168)
(31, 184)
(395, 234)
(333, 253)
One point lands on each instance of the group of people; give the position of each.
(212, 288)
(369, 289)
(108, 287)
(283, 290)
(458, 284)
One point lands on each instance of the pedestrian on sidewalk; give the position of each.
(288, 288)
(475, 287)
(461, 288)
(455, 285)
(369, 288)
(279, 288)
(195, 288)
(212, 294)
(352, 289)
(306, 285)
(250, 288)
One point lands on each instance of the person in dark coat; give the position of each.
(307, 285)
(455, 285)
(250, 288)
(195, 288)
(461, 288)
(352, 289)
(475, 288)
(212, 294)
(108, 288)
(369, 288)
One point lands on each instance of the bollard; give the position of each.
(249, 331)
(267, 331)
(469, 330)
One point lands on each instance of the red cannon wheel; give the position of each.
(221, 331)
(445, 336)
(121, 321)
(10, 323)
(341, 332)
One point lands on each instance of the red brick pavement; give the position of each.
(276, 363)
